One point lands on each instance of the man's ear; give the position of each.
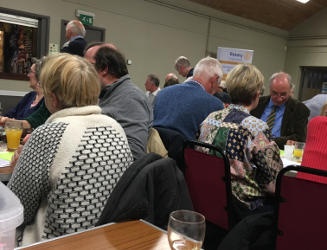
(103, 72)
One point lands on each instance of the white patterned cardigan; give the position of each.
(67, 170)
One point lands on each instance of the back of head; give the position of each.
(182, 61)
(154, 79)
(243, 83)
(108, 58)
(72, 79)
(207, 68)
(76, 27)
(171, 79)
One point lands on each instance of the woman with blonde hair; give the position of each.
(254, 158)
(70, 164)
(323, 111)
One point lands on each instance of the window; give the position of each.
(22, 36)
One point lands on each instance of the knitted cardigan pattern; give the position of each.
(67, 171)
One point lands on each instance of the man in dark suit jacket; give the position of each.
(291, 115)
(75, 33)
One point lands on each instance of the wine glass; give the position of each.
(186, 230)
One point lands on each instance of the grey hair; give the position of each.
(38, 65)
(208, 67)
(76, 27)
(279, 74)
(182, 61)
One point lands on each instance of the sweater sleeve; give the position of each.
(30, 179)
(38, 117)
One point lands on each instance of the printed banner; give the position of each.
(229, 57)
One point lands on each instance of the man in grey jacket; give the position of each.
(120, 98)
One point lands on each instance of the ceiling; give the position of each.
(283, 14)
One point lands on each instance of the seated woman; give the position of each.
(70, 165)
(254, 158)
(32, 100)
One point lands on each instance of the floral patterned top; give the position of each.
(254, 158)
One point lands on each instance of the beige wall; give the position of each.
(307, 46)
(154, 33)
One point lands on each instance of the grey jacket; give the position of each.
(128, 105)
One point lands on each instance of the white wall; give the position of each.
(154, 33)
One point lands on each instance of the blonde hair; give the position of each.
(322, 111)
(243, 83)
(72, 79)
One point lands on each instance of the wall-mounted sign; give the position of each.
(85, 17)
(229, 57)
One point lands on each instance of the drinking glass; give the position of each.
(288, 151)
(298, 151)
(186, 230)
(13, 130)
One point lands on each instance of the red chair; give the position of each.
(301, 210)
(208, 179)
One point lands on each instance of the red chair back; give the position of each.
(208, 180)
(301, 211)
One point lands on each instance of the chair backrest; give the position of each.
(301, 210)
(208, 179)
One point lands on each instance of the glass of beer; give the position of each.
(298, 151)
(13, 130)
(186, 230)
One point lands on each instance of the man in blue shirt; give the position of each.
(291, 117)
(183, 107)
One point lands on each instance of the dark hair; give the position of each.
(112, 60)
(171, 81)
(153, 78)
(92, 44)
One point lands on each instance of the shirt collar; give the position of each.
(75, 37)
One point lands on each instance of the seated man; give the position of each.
(182, 107)
(152, 87)
(120, 98)
(183, 67)
(289, 123)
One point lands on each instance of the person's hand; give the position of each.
(27, 136)
(3, 120)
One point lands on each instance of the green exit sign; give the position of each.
(85, 19)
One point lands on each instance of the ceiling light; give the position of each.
(303, 1)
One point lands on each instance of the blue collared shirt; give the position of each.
(278, 119)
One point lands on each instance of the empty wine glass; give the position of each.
(186, 230)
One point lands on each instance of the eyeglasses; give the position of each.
(281, 95)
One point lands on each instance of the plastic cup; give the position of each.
(288, 151)
(298, 151)
(13, 130)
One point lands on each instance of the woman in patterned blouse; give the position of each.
(254, 157)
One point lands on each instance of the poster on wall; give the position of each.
(229, 57)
